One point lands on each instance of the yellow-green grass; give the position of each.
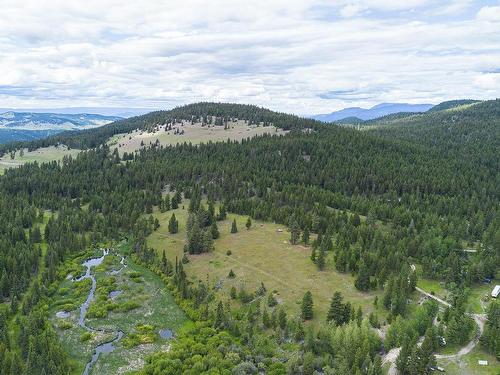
(468, 364)
(478, 298)
(193, 133)
(479, 294)
(433, 286)
(261, 254)
(40, 155)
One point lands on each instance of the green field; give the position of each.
(261, 254)
(468, 364)
(41, 155)
(479, 294)
(194, 133)
(143, 308)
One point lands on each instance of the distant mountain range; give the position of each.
(124, 112)
(379, 110)
(23, 126)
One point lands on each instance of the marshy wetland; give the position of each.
(110, 313)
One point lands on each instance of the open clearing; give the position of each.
(468, 364)
(479, 294)
(261, 254)
(194, 133)
(140, 306)
(41, 155)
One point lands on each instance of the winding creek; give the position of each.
(107, 347)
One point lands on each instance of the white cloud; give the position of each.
(296, 55)
(488, 81)
(489, 13)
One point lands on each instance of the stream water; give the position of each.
(108, 346)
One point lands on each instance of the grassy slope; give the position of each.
(41, 155)
(193, 133)
(261, 254)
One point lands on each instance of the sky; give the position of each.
(298, 56)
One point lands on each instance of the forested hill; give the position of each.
(453, 104)
(467, 131)
(222, 112)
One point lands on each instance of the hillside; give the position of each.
(199, 112)
(464, 131)
(453, 104)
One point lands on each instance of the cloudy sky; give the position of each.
(301, 56)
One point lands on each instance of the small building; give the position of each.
(496, 291)
(482, 363)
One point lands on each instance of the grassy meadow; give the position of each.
(42, 155)
(261, 254)
(193, 133)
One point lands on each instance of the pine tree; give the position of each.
(164, 262)
(222, 213)
(313, 254)
(234, 228)
(307, 306)
(214, 230)
(305, 236)
(336, 312)
(173, 225)
(402, 360)
(219, 316)
(211, 210)
(166, 203)
(176, 199)
(321, 259)
(248, 223)
(490, 339)
(388, 290)
(294, 233)
(359, 316)
(363, 279)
